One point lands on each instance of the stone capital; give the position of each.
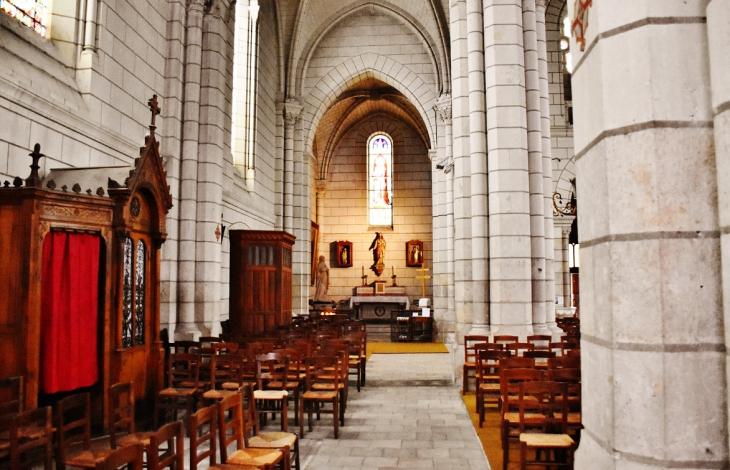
(197, 5)
(541, 4)
(320, 186)
(443, 108)
(220, 9)
(292, 112)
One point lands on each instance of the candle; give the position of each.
(363, 270)
(393, 270)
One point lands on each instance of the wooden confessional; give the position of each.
(261, 281)
(121, 212)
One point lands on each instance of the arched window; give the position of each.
(35, 14)
(245, 67)
(380, 180)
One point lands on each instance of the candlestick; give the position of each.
(392, 268)
(363, 270)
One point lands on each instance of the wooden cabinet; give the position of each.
(261, 281)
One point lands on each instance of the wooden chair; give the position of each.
(357, 356)
(322, 387)
(231, 430)
(73, 419)
(342, 352)
(562, 347)
(543, 425)
(202, 432)
(226, 377)
(295, 379)
(121, 417)
(204, 357)
(27, 440)
(509, 380)
(487, 378)
(184, 346)
(287, 442)
(12, 396)
(272, 368)
(182, 390)
(541, 342)
(129, 457)
(541, 357)
(170, 435)
(470, 359)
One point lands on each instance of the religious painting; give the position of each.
(379, 287)
(414, 254)
(314, 240)
(344, 254)
(380, 180)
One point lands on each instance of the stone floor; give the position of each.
(409, 416)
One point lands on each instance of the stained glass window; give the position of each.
(127, 295)
(139, 294)
(380, 180)
(32, 13)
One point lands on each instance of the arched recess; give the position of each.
(359, 68)
(430, 19)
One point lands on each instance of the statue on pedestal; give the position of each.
(322, 281)
(378, 247)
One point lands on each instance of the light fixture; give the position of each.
(568, 208)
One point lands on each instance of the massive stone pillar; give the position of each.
(535, 165)
(186, 327)
(438, 211)
(478, 164)
(653, 341)
(302, 227)
(462, 170)
(718, 33)
(547, 165)
(212, 137)
(509, 203)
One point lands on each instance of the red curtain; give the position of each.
(69, 311)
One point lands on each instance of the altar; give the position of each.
(378, 307)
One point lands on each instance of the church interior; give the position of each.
(248, 204)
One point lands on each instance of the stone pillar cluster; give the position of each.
(651, 141)
(502, 170)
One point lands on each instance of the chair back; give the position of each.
(129, 457)
(505, 339)
(73, 418)
(121, 411)
(509, 380)
(182, 370)
(170, 435)
(322, 370)
(564, 375)
(184, 346)
(541, 342)
(469, 342)
(224, 347)
(564, 362)
(230, 430)
(519, 349)
(202, 432)
(29, 448)
(517, 363)
(11, 396)
(487, 362)
(543, 405)
(271, 367)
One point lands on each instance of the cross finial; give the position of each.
(152, 103)
(34, 180)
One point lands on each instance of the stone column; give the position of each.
(321, 193)
(718, 33)
(535, 165)
(462, 170)
(478, 165)
(444, 116)
(214, 116)
(302, 228)
(439, 280)
(547, 166)
(292, 114)
(186, 327)
(653, 340)
(509, 203)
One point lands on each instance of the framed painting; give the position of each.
(379, 287)
(414, 254)
(343, 251)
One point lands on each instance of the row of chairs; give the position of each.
(535, 346)
(314, 376)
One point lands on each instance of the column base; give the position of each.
(187, 332)
(523, 331)
(480, 330)
(555, 330)
(541, 329)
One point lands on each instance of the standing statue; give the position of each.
(322, 281)
(378, 247)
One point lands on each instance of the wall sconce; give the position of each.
(568, 208)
